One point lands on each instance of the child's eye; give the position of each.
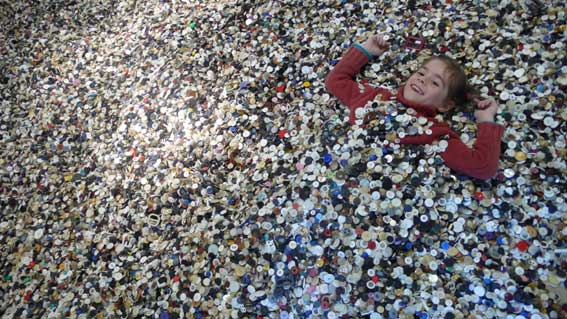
(435, 83)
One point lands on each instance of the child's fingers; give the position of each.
(484, 104)
(491, 104)
(380, 40)
(480, 104)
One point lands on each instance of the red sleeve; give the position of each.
(340, 82)
(482, 160)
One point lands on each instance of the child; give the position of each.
(438, 86)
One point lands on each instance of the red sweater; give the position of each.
(480, 161)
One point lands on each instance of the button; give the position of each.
(479, 291)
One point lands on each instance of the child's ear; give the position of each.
(446, 106)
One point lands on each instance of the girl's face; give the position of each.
(430, 86)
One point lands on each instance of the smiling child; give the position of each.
(440, 85)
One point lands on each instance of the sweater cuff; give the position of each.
(490, 122)
(361, 48)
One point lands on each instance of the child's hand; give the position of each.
(486, 110)
(376, 45)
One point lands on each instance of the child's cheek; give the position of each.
(438, 92)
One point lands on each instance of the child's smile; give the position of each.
(429, 86)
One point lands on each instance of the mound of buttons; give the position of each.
(183, 159)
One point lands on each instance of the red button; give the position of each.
(371, 244)
(479, 195)
(523, 245)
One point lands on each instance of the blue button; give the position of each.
(327, 158)
(500, 240)
(546, 38)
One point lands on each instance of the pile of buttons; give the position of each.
(183, 159)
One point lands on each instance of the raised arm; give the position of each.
(482, 160)
(340, 81)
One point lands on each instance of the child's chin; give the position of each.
(413, 97)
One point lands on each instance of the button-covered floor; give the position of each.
(170, 159)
